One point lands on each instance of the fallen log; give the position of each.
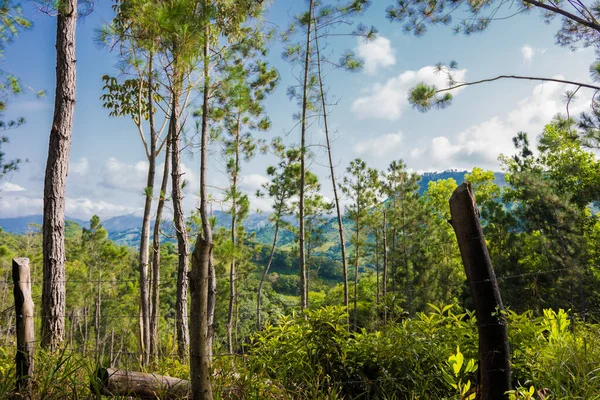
(139, 385)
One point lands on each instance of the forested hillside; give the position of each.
(302, 256)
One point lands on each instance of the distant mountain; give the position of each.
(20, 225)
(126, 229)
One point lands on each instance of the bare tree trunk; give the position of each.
(336, 198)
(385, 269)
(232, 290)
(97, 320)
(25, 329)
(264, 275)
(408, 282)
(53, 292)
(356, 257)
(200, 352)
(494, 351)
(156, 253)
(303, 291)
(181, 312)
(376, 266)
(144, 255)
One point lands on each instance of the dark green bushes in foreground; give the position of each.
(425, 357)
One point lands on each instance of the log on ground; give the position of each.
(140, 385)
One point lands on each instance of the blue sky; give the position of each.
(372, 118)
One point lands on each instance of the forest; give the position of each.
(355, 284)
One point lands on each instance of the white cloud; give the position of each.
(376, 53)
(11, 187)
(81, 167)
(17, 205)
(390, 99)
(379, 146)
(480, 144)
(529, 52)
(84, 208)
(251, 183)
(130, 177)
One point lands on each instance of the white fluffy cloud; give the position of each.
(14, 205)
(119, 175)
(376, 53)
(80, 167)
(529, 52)
(251, 183)
(389, 100)
(379, 146)
(480, 144)
(83, 208)
(11, 187)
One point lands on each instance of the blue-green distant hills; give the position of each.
(126, 229)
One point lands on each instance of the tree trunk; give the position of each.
(385, 269)
(336, 198)
(144, 255)
(156, 254)
(181, 308)
(232, 291)
(53, 292)
(303, 292)
(494, 351)
(264, 275)
(25, 328)
(200, 351)
(356, 256)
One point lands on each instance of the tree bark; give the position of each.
(385, 268)
(303, 277)
(336, 198)
(494, 351)
(53, 292)
(181, 309)
(140, 385)
(356, 257)
(156, 253)
(232, 273)
(200, 275)
(264, 275)
(25, 327)
(144, 255)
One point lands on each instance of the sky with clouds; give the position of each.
(371, 119)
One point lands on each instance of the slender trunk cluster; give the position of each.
(301, 212)
(201, 277)
(147, 344)
(181, 309)
(332, 172)
(155, 298)
(53, 292)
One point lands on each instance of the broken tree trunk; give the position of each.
(494, 352)
(140, 385)
(25, 329)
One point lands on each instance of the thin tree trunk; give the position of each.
(407, 285)
(303, 277)
(376, 266)
(144, 255)
(181, 308)
(97, 319)
(356, 256)
(53, 291)
(336, 198)
(156, 253)
(385, 269)
(200, 352)
(264, 275)
(232, 289)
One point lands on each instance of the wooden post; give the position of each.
(494, 352)
(25, 329)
